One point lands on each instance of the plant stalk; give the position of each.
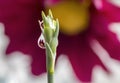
(50, 62)
(50, 77)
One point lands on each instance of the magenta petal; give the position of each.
(100, 31)
(81, 56)
(111, 44)
(21, 25)
(111, 11)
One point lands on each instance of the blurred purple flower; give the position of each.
(21, 25)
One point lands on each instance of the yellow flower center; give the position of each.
(73, 15)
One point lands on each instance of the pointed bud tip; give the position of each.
(43, 15)
(57, 22)
(50, 13)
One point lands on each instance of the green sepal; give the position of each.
(48, 33)
(49, 50)
(54, 44)
(50, 14)
(50, 58)
(57, 29)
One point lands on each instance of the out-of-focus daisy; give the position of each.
(82, 22)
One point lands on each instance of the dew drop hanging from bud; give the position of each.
(41, 41)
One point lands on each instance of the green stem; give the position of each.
(50, 70)
(50, 61)
(50, 77)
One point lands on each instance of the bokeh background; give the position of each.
(15, 67)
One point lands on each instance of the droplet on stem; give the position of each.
(41, 41)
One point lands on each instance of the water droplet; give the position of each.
(41, 41)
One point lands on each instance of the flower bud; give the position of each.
(50, 31)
